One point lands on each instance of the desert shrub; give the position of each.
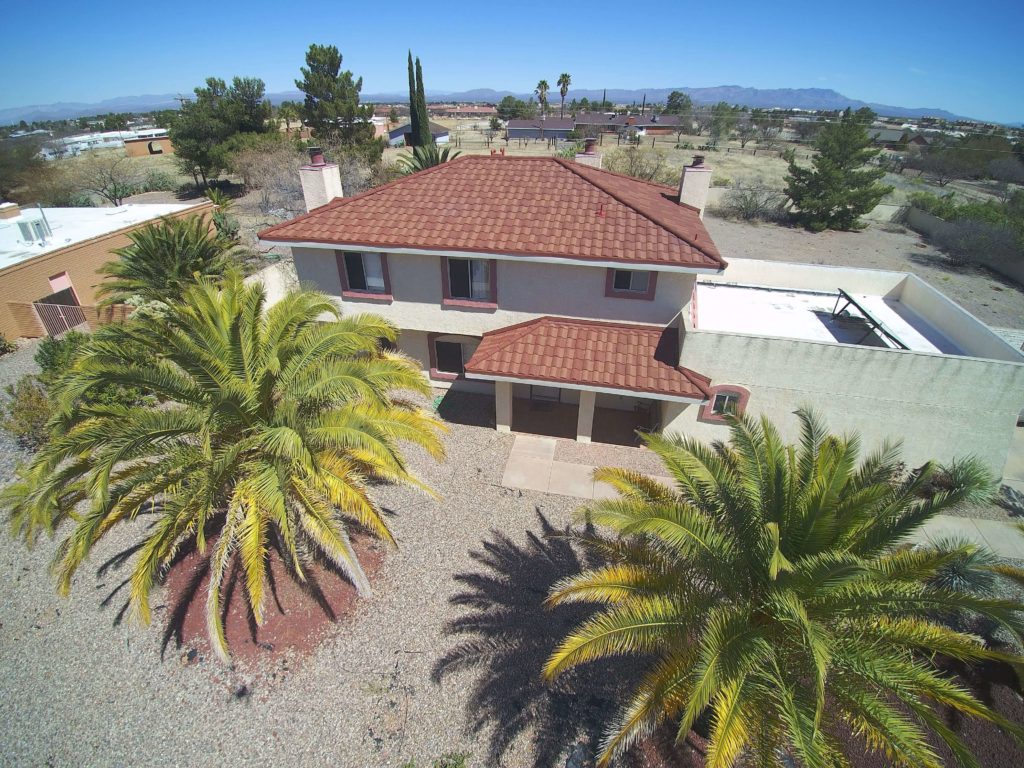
(25, 412)
(943, 207)
(646, 164)
(55, 356)
(721, 181)
(753, 204)
(158, 181)
(969, 241)
(6, 346)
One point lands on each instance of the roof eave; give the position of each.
(653, 394)
(653, 266)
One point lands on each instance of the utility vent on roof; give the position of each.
(34, 231)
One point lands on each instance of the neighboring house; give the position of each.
(897, 138)
(648, 123)
(50, 260)
(579, 297)
(397, 135)
(537, 128)
(462, 110)
(75, 145)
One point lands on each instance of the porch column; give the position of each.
(585, 420)
(503, 405)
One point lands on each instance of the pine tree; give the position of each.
(837, 189)
(332, 105)
(423, 136)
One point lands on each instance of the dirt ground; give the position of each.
(992, 299)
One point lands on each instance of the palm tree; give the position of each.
(162, 260)
(564, 81)
(273, 427)
(542, 95)
(289, 111)
(771, 589)
(425, 157)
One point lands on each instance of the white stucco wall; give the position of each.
(525, 290)
(942, 407)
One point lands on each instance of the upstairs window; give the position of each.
(630, 284)
(364, 275)
(364, 272)
(469, 279)
(628, 280)
(470, 283)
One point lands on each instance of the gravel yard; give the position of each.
(79, 688)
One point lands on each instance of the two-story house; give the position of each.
(548, 281)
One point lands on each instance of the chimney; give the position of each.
(321, 181)
(694, 185)
(9, 210)
(589, 156)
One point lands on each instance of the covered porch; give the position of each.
(583, 379)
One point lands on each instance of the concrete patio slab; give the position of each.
(527, 472)
(1002, 538)
(533, 445)
(1014, 469)
(571, 480)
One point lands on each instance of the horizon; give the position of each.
(975, 76)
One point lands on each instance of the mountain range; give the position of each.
(785, 98)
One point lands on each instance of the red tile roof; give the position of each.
(637, 358)
(533, 206)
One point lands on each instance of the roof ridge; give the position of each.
(522, 326)
(338, 202)
(671, 228)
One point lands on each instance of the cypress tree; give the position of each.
(414, 118)
(423, 136)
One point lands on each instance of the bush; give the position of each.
(6, 346)
(646, 164)
(943, 207)
(969, 241)
(753, 204)
(158, 181)
(26, 412)
(55, 356)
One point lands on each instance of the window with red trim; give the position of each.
(723, 400)
(469, 282)
(630, 284)
(364, 274)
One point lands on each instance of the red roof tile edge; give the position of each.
(700, 382)
(718, 262)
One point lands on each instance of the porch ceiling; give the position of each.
(588, 354)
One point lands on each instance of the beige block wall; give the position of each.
(28, 281)
(942, 407)
(140, 147)
(525, 290)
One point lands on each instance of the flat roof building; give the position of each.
(50, 257)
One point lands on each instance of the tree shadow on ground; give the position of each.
(506, 634)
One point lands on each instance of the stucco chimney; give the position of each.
(695, 183)
(589, 156)
(9, 210)
(321, 181)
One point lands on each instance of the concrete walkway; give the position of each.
(532, 466)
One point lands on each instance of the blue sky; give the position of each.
(961, 57)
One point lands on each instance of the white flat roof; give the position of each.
(74, 225)
(808, 315)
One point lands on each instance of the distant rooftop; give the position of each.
(35, 232)
(853, 318)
